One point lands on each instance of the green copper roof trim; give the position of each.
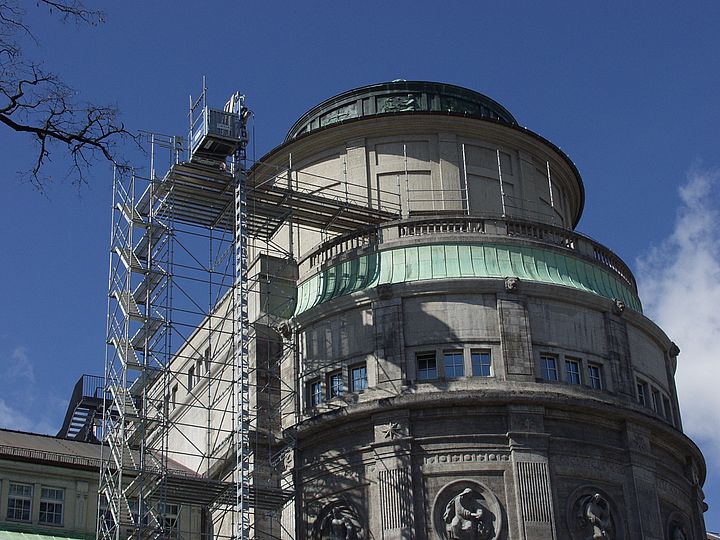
(440, 261)
(16, 535)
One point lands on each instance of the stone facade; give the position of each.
(476, 369)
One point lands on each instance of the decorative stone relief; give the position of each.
(678, 528)
(467, 510)
(465, 457)
(593, 516)
(338, 521)
(618, 306)
(410, 102)
(512, 284)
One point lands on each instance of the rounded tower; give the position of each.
(468, 365)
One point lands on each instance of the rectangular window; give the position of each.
(198, 368)
(207, 360)
(335, 384)
(572, 371)
(191, 378)
(656, 402)
(454, 364)
(20, 502)
(426, 366)
(642, 393)
(316, 395)
(667, 409)
(481, 363)
(169, 518)
(548, 365)
(358, 378)
(51, 506)
(595, 376)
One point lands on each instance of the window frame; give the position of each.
(191, 378)
(544, 371)
(335, 385)
(643, 392)
(352, 380)
(52, 501)
(577, 380)
(591, 379)
(315, 393)
(481, 353)
(453, 356)
(20, 498)
(423, 374)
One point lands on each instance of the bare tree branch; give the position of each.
(36, 102)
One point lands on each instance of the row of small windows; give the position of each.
(651, 397)
(334, 385)
(20, 504)
(573, 372)
(453, 365)
(194, 374)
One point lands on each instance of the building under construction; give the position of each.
(386, 327)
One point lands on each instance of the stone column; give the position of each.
(529, 451)
(643, 509)
(81, 501)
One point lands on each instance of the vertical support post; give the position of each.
(291, 233)
(241, 352)
(502, 189)
(465, 179)
(407, 179)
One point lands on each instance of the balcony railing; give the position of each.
(559, 237)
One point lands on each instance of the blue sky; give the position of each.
(628, 90)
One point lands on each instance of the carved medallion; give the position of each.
(467, 510)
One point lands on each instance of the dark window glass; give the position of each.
(548, 365)
(572, 371)
(481, 363)
(426, 366)
(454, 364)
(358, 378)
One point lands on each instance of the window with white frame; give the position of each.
(358, 378)
(643, 393)
(169, 518)
(20, 502)
(572, 371)
(454, 364)
(426, 366)
(595, 376)
(335, 384)
(481, 363)
(315, 393)
(656, 401)
(51, 505)
(548, 368)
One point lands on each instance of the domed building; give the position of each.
(401, 336)
(469, 366)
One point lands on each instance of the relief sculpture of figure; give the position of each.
(465, 518)
(336, 526)
(597, 513)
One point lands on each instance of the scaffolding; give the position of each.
(199, 298)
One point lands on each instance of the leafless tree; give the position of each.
(36, 101)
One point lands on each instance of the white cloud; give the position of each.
(11, 418)
(19, 365)
(679, 282)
